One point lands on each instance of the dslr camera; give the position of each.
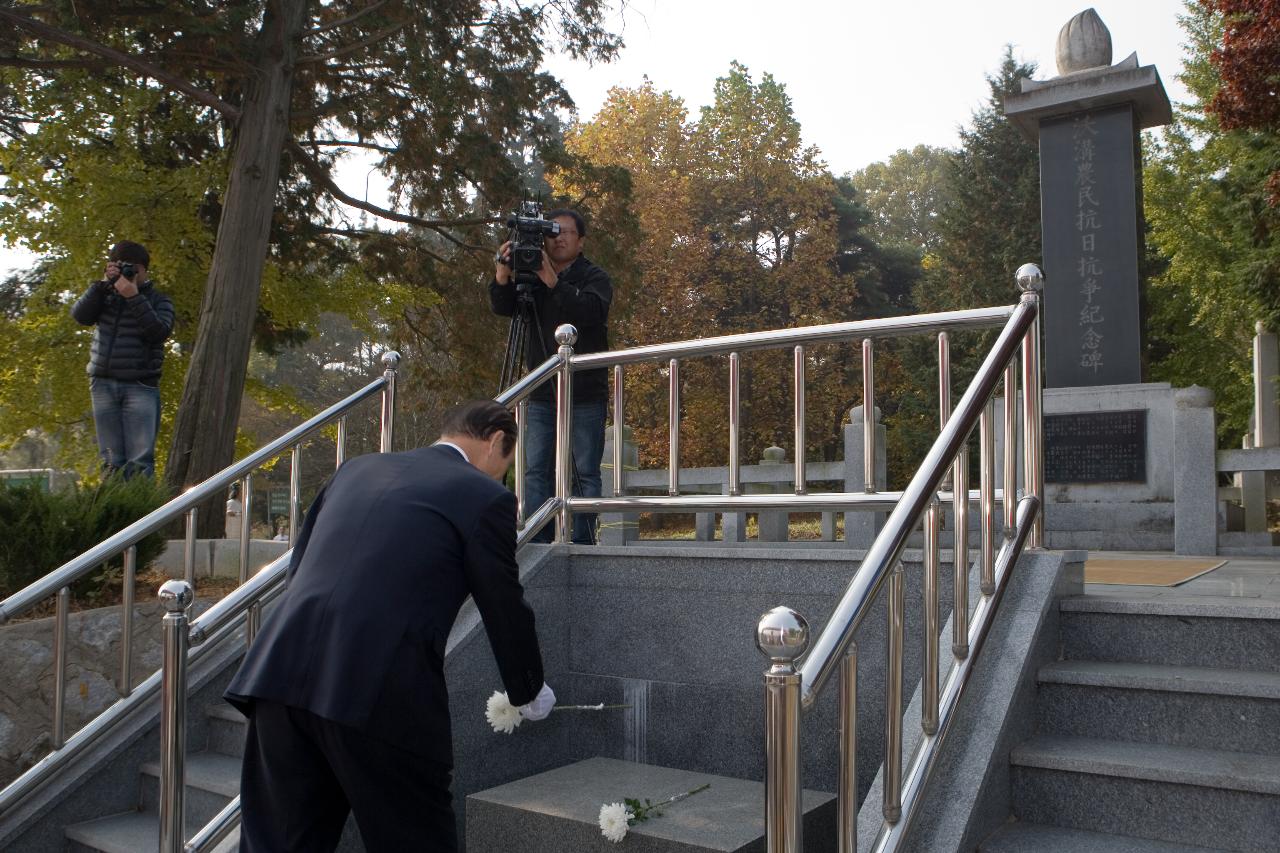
(528, 232)
(127, 270)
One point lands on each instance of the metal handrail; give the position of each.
(886, 327)
(249, 598)
(76, 568)
(782, 634)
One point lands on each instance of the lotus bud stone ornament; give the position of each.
(1083, 42)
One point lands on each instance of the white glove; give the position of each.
(541, 705)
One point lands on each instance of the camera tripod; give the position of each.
(519, 335)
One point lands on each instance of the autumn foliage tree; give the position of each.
(738, 232)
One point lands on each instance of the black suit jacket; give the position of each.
(389, 551)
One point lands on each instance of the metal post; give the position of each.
(340, 444)
(929, 649)
(960, 555)
(189, 549)
(869, 415)
(522, 423)
(175, 596)
(894, 640)
(673, 427)
(246, 493)
(944, 392)
(295, 494)
(847, 783)
(252, 621)
(987, 492)
(566, 337)
(1031, 282)
(801, 486)
(128, 587)
(735, 425)
(618, 422)
(391, 363)
(1010, 502)
(782, 635)
(61, 617)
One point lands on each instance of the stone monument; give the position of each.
(1086, 121)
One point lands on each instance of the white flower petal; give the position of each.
(501, 714)
(613, 821)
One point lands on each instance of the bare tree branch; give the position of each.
(353, 143)
(372, 38)
(342, 22)
(321, 176)
(57, 34)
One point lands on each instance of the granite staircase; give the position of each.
(1158, 730)
(213, 780)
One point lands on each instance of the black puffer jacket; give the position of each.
(129, 341)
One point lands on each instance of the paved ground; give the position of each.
(1239, 577)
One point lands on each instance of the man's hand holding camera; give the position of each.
(123, 278)
(502, 267)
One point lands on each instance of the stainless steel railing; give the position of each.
(782, 634)
(58, 582)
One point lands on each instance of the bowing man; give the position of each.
(344, 685)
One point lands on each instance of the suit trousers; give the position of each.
(303, 774)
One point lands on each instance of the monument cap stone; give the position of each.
(1084, 42)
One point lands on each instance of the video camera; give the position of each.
(528, 233)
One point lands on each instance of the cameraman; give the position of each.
(570, 289)
(133, 320)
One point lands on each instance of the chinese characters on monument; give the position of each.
(1089, 208)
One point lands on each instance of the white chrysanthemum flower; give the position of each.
(501, 714)
(613, 821)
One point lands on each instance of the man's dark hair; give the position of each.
(130, 253)
(578, 221)
(481, 419)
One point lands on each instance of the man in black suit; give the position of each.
(344, 685)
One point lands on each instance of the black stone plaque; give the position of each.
(1096, 447)
(1089, 215)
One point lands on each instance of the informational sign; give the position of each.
(1096, 447)
(278, 502)
(1093, 333)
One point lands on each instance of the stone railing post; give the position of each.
(773, 526)
(618, 528)
(1265, 429)
(860, 528)
(1195, 477)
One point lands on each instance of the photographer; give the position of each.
(133, 320)
(569, 289)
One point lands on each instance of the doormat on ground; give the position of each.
(1146, 572)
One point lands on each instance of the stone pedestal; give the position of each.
(559, 810)
(1086, 124)
(860, 528)
(1195, 477)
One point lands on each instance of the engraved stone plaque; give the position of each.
(1096, 447)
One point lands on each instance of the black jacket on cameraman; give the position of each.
(128, 343)
(581, 296)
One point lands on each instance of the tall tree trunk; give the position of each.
(205, 429)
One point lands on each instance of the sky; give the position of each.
(866, 77)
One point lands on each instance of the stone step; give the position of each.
(1210, 798)
(130, 832)
(1230, 633)
(227, 730)
(559, 810)
(213, 780)
(1222, 709)
(1022, 837)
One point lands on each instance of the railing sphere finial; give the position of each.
(175, 595)
(1030, 279)
(782, 635)
(566, 335)
(390, 359)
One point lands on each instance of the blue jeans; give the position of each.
(126, 415)
(540, 460)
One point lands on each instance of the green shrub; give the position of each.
(40, 531)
